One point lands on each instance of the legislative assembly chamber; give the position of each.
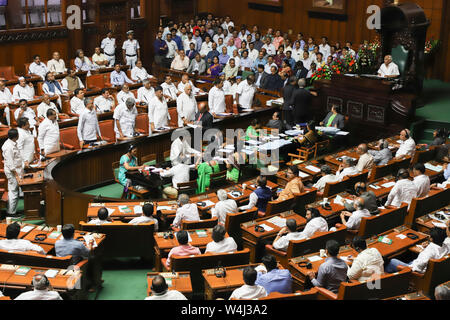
(200, 150)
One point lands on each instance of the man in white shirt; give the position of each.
(158, 112)
(57, 65)
(125, 94)
(77, 102)
(270, 48)
(181, 149)
(246, 92)
(102, 217)
(388, 69)
(25, 143)
(186, 211)
(220, 244)
(184, 81)
(53, 87)
(347, 168)
(306, 60)
(404, 190)
(223, 207)
(108, 46)
(327, 176)
(186, 106)
(206, 47)
(26, 112)
(72, 82)
(356, 216)
(179, 174)
(160, 291)
(99, 59)
(88, 129)
(367, 264)
(436, 250)
(172, 50)
(227, 23)
(139, 73)
(146, 93)
(297, 52)
(12, 243)
(13, 166)
(125, 119)
(252, 52)
(38, 68)
(216, 98)
(365, 160)
(407, 146)
(147, 216)
(48, 136)
(22, 90)
(105, 102)
(170, 91)
(42, 290)
(131, 50)
(118, 77)
(325, 48)
(421, 180)
(268, 66)
(180, 62)
(187, 42)
(249, 290)
(45, 105)
(5, 98)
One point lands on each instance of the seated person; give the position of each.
(368, 263)
(294, 186)
(128, 162)
(421, 180)
(18, 245)
(118, 78)
(220, 243)
(327, 176)
(223, 207)
(439, 137)
(186, 211)
(404, 190)
(347, 168)
(334, 119)
(102, 215)
(233, 163)
(160, 291)
(275, 122)
(253, 130)
(355, 217)
(125, 94)
(407, 146)
(260, 197)
(436, 249)
(311, 137)
(274, 279)
(249, 290)
(147, 216)
(72, 82)
(388, 69)
(42, 290)
(315, 223)
(369, 197)
(365, 160)
(180, 174)
(332, 272)
(442, 292)
(204, 172)
(382, 156)
(184, 249)
(446, 183)
(68, 246)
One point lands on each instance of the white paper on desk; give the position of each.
(401, 236)
(342, 133)
(27, 229)
(110, 211)
(339, 200)
(138, 210)
(312, 168)
(51, 273)
(303, 175)
(373, 186)
(266, 227)
(208, 203)
(314, 258)
(168, 208)
(431, 167)
(439, 224)
(278, 221)
(388, 184)
(88, 238)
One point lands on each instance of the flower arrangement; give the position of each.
(431, 46)
(323, 73)
(337, 66)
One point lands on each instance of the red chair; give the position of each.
(107, 130)
(69, 138)
(173, 117)
(8, 73)
(142, 124)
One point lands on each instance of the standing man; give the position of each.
(216, 98)
(13, 167)
(131, 50)
(109, 48)
(125, 119)
(158, 112)
(26, 112)
(246, 92)
(301, 100)
(186, 106)
(161, 49)
(25, 143)
(48, 137)
(88, 129)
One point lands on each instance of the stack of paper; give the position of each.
(22, 271)
(314, 258)
(278, 221)
(167, 208)
(373, 186)
(313, 168)
(201, 233)
(27, 229)
(431, 167)
(266, 227)
(54, 235)
(303, 175)
(51, 273)
(388, 184)
(138, 210)
(339, 200)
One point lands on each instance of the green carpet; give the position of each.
(123, 285)
(436, 98)
(111, 191)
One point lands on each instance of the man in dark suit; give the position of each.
(203, 117)
(288, 109)
(275, 122)
(334, 119)
(300, 70)
(301, 100)
(273, 81)
(260, 75)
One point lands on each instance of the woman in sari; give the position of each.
(204, 171)
(215, 68)
(128, 162)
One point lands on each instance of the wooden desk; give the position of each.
(382, 191)
(410, 296)
(282, 180)
(223, 287)
(117, 214)
(180, 281)
(163, 246)
(393, 144)
(53, 235)
(426, 222)
(300, 274)
(25, 228)
(334, 162)
(314, 174)
(14, 284)
(245, 193)
(251, 238)
(32, 188)
(335, 207)
(202, 198)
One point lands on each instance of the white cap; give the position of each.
(130, 32)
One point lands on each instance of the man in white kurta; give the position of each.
(125, 119)
(38, 68)
(388, 69)
(48, 136)
(146, 93)
(125, 94)
(25, 143)
(223, 207)
(139, 73)
(105, 102)
(88, 127)
(77, 102)
(216, 98)
(179, 149)
(186, 106)
(158, 112)
(404, 191)
(407, 146)
(245, 92)
(22, 90)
